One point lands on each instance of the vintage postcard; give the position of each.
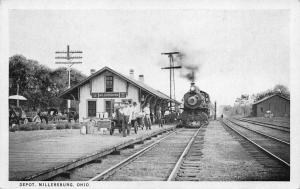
(163, 94)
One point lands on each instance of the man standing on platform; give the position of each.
(126, 125)
(147, 116)
(159, 117)
(135, 113)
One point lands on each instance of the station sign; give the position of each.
(109, 95)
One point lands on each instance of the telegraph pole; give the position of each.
(215, 110)
(67, 58)
(172, 77)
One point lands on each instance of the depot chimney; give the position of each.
(92, 71)
(131, 73)
(141, 78)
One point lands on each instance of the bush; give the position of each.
(49, 127)
(60, 126)
(44, 126)
(68, 125)
(13, 129)
(25, 128)
(76, 126)
(36, 126)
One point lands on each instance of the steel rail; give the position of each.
(180, 160)
(268, 123)
(257, 145)
(278, 127)
(112, 169)
(255, 131)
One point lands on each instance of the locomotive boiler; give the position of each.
(196, 108)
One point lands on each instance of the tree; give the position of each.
(283, 90)
(278, 89)
(244, 103)
(18, 72)
(38, 83)
(226, 110)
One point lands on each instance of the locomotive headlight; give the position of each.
(193, 88)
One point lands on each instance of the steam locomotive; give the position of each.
(196, 108)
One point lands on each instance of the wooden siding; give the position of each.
(279, 107)
(98, 85)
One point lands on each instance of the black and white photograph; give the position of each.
(114, 94)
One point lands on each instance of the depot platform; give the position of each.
(32, 153)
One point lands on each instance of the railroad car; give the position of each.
(196, 108)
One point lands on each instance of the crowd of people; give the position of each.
(130, 114)
(127, 115)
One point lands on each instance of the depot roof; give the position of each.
(73, 90)
(266, 98)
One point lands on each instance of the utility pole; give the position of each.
(66, 58)
(172, 77)
(18, 88)
(215, 110)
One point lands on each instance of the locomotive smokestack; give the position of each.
(193, 88)
(192, 84)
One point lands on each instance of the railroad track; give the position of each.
(187, 167)
(269, 125)
(275, 132)
(276, 149)
(156, 162)
(274, 121)
(153, 160)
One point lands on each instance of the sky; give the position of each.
(237, 51)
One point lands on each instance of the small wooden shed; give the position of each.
(277, 104)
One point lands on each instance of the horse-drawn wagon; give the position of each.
(118, 122)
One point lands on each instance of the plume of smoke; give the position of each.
(190, 64)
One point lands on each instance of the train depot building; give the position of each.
(103, 91)
(277, 104)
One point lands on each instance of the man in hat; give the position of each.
(147, 116)
(135, 114)
(159, 117)
(127, 116)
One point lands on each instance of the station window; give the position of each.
(92, 108)
(109, 83)
(262, 109)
